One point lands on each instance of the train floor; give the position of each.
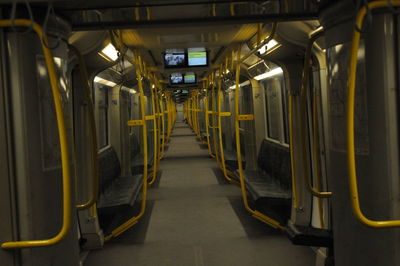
(195, 218)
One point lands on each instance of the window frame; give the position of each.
(283, 105)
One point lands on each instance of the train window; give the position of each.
(101, 97)
(276, 106)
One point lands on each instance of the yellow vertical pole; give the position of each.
(221, 146)
(132, 221)
(214, 122)
(155, 136)
(207, 118)
(163, 125)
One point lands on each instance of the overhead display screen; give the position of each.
(190, 78)
(174, 58)
(176, 78)
(197, 56)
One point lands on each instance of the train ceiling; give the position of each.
(153, 26)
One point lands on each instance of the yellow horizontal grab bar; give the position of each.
(225, 114)
(351, 160)
(150, 117)
(245, 117)
(132, 123)
(66, 176)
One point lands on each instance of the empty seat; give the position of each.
(116, 190)
(272, 179)
(137, 157)
(231, 161)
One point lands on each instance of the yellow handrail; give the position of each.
(132, 221)
(207, 118)
(221, 146)
(197, 115)
(351, 160)
(306, 70)
(256, 214)
(65, 162)
(155, 147)
(213, 117)
(92, 126)
(158, 110)
(162, 126)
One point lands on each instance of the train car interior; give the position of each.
(204, 133)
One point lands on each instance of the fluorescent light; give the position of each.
(247, 82)
(268, 46)
(97, 79)
(57, 61)
(269, 74)
(131, 91)
(109, 52)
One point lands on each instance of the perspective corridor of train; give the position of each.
(204, 132)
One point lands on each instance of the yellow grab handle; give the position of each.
(225, 114)
(351, 160)
(256, 214)
(207, 118)
(221, 146)
(65, 162)
(155, 134)
(132, 123)
(132, 221)
(245, 117)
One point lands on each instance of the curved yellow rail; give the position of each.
(221, 146)
(93, 136)
(351, 160)
(207, 118)
(66, 175)
(155, 136)
(213, 117)
(256, 214)
(132, 221)
(162, 126)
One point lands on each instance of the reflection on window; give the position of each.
(276, 108)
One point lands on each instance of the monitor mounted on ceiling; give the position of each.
(197, 57)
(175, 58)
(190, 78)
(176, 78)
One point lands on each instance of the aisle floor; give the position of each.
(195, 218)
